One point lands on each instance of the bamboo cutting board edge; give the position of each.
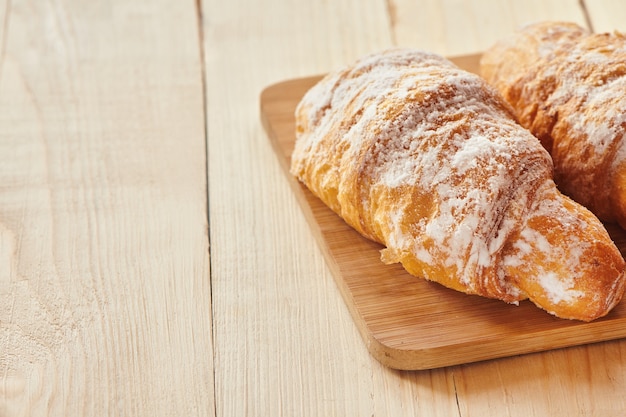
(450, 328)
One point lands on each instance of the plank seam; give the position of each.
(456, 395)
(201, 51)
(583, 7)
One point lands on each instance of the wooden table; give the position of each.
(153, 258)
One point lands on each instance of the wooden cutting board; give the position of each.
(407, 322)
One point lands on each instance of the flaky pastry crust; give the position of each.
(428, 160)
(568, 87)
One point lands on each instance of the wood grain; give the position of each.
(105, 304)
(401, 318)
(104, 272)
(453, 28)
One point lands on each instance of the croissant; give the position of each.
(568, 87)
(428, 160)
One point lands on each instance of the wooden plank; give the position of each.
(408, 323)
(104, 282)
(451, 27)
(285, 343)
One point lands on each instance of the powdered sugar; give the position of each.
(597, 93)
(572, 96)
(438, 127)
(426, 159)
(559, 289)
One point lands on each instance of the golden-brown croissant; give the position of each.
(568, 87)
(428, 160)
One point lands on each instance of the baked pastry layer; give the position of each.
(428, 160)
(568, 87)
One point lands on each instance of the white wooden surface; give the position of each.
(131, 150)
(104, 270)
